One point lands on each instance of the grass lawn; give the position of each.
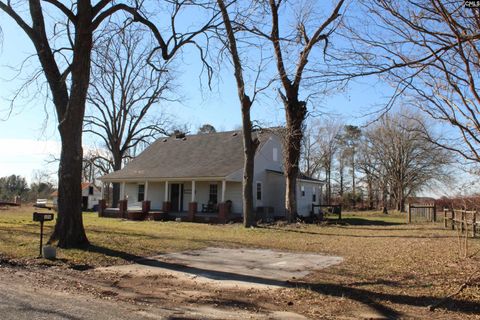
(406, 267)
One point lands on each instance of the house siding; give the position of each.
(276, 185)
(156, 195)
(234, 194)
(272, 190)
(131, 193)
(304, 203)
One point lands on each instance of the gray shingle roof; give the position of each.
(203, 155)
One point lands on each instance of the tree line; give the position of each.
(376, 166)
(16, 186)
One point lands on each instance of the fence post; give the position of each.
(445, 217)
(464, 217)
(434, 212)
(475, 223)
(453, 219)
(409, 214)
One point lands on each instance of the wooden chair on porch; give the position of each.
(210, 207)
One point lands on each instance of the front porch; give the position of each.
(195, 201)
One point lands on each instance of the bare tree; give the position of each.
(63, 38)
(322, 145)
(290, 73)
(372, 174)
(124, 97)
(310, 163)
(406, 159)
(348, 139)
(429, 51)
(250, 143)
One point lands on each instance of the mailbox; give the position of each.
(41, 217)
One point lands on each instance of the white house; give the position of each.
(90, 196)
(199, 172)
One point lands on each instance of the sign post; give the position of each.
(42, 217)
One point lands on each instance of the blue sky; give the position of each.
(28, 136)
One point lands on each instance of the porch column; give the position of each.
(193, 190)
(166, 203)
(224, 186)
(102, 190)
(122, 191)
(192, 206)
(166, 191)
(223, 208)
(145, 197)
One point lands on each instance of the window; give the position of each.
(90, 190)
(259, 191)
(141, 192)
(275, 154)
(213, 195)
(314, 195)
(302, 189)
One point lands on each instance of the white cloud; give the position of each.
(29, 147)
(23, 156)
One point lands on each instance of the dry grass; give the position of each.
(390, 266)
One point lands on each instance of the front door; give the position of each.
(176, 197)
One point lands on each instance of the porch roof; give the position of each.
(301, 176)
(194, 156)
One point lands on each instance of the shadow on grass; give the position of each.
(364, 222)
(114, 253)
(373, 299)
(358, 235)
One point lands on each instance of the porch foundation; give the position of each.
(166, 206)
(146, 206)
(122, 208)
(224, 211)
(102, 204)
(192, 211)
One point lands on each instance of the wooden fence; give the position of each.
(421, 212)
(335, 209)
(461, 219)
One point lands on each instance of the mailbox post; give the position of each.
(42, 217)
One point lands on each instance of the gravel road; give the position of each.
(22, 297)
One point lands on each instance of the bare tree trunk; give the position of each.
(370, 193)
(69, 230)
(354, 193)
(340, 171)
(117, 165)
(295, 115)
(249, 143)
(249, 148)
(384, 196)
(328, 171)
(401, 200)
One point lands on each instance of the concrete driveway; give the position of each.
(232, 267)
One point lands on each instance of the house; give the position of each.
(197, 175)
(90, 196)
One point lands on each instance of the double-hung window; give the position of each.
(259, 191)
